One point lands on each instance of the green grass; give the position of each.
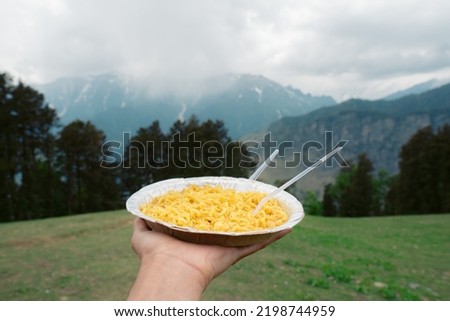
(82, 257)
(88, 257)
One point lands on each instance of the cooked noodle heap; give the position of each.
(213, 208)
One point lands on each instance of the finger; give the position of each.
(234, 254)
(141, 238)
(140, 230)
(139, 225)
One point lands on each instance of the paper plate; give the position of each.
(289, 203)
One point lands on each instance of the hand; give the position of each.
(174, 269)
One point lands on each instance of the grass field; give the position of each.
(88, 257)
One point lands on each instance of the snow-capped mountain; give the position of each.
(117, 103)
(250, 103)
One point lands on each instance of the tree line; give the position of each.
(191, 148)
(48, 170)
(422, 185)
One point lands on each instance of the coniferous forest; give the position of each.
(422, 185)
(47, 169)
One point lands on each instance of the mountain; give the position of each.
(417, 89)
(378, 128)
(251, 101)
(117, 103)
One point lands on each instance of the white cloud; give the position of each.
(343, 48)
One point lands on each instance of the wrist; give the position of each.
(179, 267)
(165, 277)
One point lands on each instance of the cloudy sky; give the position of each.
(343, 48)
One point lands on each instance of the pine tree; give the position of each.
(416, 184)
(8, 152)
(380, 186)
(328, 202)
(442, 145)
(191, 148)
(88, 186)
(183, 157)
(362, 187)
(423, 184)
(204, 149)
(26, 136)
(340, 191)
(391, 199)
(353, 191)
(145, 158)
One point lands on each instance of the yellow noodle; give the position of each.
(213, 208)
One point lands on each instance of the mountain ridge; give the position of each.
(379, 128)
(417, 88)
(255, 101)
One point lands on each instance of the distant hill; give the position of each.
(378, 128)
(418, 89)
(117, 103)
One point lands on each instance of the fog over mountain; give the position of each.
(252, 106)
(343, 48)
(118, 103)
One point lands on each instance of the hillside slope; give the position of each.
(378, 128)
(88, 257)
